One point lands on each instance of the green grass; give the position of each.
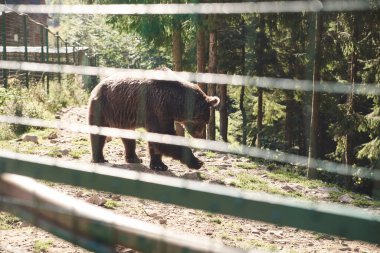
(263, 245)
(78, 153)
(112, 204)
(291, 177)
(216, 220)
(246, 166)
(252, 182)
(202, 176)
(210, 154)
(42, 246)
(212, 168)
(34, 102)
(8, 221)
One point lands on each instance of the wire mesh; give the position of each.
(49, 48)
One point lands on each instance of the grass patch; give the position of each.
(364, 202)
(81, 141)
(212, 168)
(35, 102)
(263, 245)
(201, 176)
(111, 204)
(8, 221)
(210, 154)
(216, 220)
(78, 153)
(247, 166)
(42, 246)
(292, 177)
(251, 182)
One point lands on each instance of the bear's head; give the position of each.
(200, 116)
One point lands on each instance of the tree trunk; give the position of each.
(242, 90)
(316, 97)
(243, 115)
(260, 72)
(223, 112)
(177, 61)
(288, 120)
(211, 88)
(201, 51)
(349, 154)
(260, 114)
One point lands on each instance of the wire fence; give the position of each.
(51, 54)
(27, 39)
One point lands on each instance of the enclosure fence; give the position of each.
(26, 38)
(99, 230)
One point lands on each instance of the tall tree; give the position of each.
(212, 68)
(349, 154)
(201, 54)
(260, 45)
(177, 58)
(201, 47)
(223, 122)
(316, 97)
(242, 89)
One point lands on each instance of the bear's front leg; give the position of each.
(189, 159)
(157, 164)
(183, 154)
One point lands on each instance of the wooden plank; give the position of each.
(334, 219)
(76, 220)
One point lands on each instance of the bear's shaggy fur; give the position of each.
(127, 103)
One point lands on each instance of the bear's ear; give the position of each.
(213, 101)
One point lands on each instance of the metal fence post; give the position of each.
(58, 56)
(4, 41)
(67, 54)
(25, 19)
(74, 59)
(42, 49)
(47, 59)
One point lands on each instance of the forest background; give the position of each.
(339, 47)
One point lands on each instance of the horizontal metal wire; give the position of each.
(262, 82)
(224, 147)
(201, 8)
(39, 202)
(328, 218)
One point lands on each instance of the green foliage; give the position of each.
(34, 102)
(111, 204)
(112, 47)
(8, 221)
(42, 246)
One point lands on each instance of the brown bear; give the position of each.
(129, 103)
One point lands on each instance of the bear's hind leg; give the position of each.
(97, 145)
(130, 151)
(156, 159)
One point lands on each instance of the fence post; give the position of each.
(4, 42)
(58, 56)
(47, 59)
(42, 57)
(67, 54)
(25, 19)
(74, 59)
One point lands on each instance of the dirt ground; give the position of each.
(219, 168)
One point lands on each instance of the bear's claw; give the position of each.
(102, 160)
(133, 160)
(158, 166)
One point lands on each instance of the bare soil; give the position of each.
(219, 168)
